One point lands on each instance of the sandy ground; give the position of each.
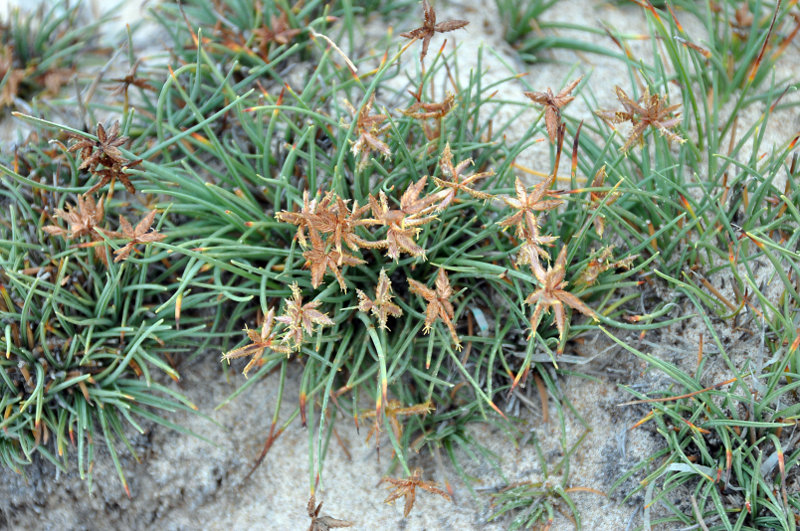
(185, 483)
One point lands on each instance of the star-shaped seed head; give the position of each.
(324, 522)
(267, 339)
(300, 318)
(553, 103)
(136, 236)
(457, 182)
(647, 111)
(430, 27)
(382, 307)
(407, 489)
(82, 221)
(551, 293)
(438, 303)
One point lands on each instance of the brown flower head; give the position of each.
(457, 182)
(438, 303)
(403, 223)
(368, 131)
(82, 221)
(553, 104)
(337, 220)
(128, 80)
(430, 27)
(300, 318)
(324, 522)
(527, 206)
(114, 172)
(551, 293)
(103, 151)
(407, 489)
(278, 32)
(320, 257)
(301, 219)
(267, 339)
(648, 111)
(136, 236)
(382, 307)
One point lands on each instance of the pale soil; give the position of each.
(185, 483)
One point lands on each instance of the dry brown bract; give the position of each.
(429, 27)
(382, 307)
(551, 294)
(407, 488)
(553, 104)
(368, 131)
(457, 182)
(439, 305)
(321, 258)
(648, 111)
(267, 339)
(136, 235)
(299, 317)
(325, 522)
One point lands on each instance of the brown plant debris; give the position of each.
(368, 132)
(15, 75)
(299, 317)
(324, 522)
(407, 489)
(267, 339)
(553, 104)
(136, 236)
(430, 27)
(551, 293)
(457, 182)
(648, 111)
(438, 303)
(382, 307)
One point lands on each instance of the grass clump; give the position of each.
(38, 51)
(362, 219)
